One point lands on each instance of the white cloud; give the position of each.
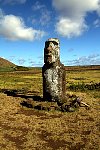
(78, 6)
(1, 13)
(69, 28)
(36, 64)
(12, 2)
(96, 23)
(37, 6)
(13, 28)
(21, 61)
(11, 58)
(45, 17)
(40, 58)
(45, 14)
(93, 59)
(72, 13)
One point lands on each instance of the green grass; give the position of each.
(87, 81)
(32, 80)
(6, 69)
(21, 80)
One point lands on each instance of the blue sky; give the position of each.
(25, 25)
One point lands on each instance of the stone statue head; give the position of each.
(51, 51)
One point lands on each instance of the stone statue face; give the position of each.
(51, 51)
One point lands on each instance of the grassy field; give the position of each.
(26, 128)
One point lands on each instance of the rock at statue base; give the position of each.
(53, 72)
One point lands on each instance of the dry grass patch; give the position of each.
(31, 129)
(26, 128)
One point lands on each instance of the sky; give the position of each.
(25, 25)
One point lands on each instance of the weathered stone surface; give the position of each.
(53, 72)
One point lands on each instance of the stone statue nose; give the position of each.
(49, 50)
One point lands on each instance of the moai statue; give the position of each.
(53, 72)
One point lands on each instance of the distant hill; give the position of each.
(6, 63)
(82, 68)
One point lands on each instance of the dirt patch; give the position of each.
(51, 117)
(77, 146)
(30, 112)
(26, 128)
(90, 119)
(18, 140)
(54, 144)
(86, 132)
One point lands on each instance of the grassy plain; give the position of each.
(23, 128)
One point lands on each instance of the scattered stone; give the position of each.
(26, 104)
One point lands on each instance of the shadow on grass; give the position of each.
(29, 99)
(21, 94)
(31, 96)
(40, 106)
(26, 104)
